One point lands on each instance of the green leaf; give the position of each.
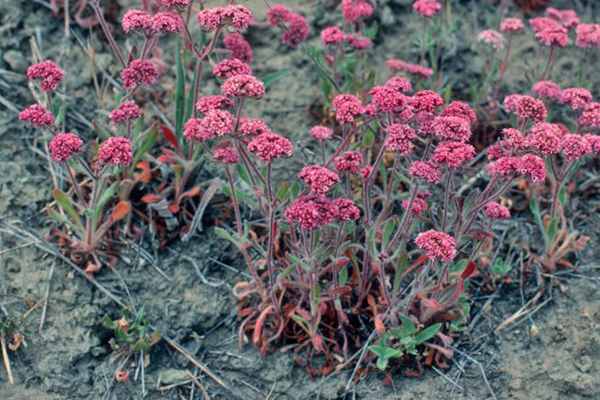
(408, 326)
(295, 189)
(63, 200)
(535, 210)
(189, 108)
(273, 77)
(179, 93)
(283, 191)
(223, 234)
(427, 333)
(552, 229)
(108, 323)
(369, 138)
(147, 143)
(243, 173)
(343, 276)
(61, 114)
(105, 196)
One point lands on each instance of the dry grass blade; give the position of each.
(521, 312)
(205, 395)
(6, 360)
(208, 195)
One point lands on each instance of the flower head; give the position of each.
(64, 146)
(399, 84)
(137, 20)
(216, 102)
(319, 178)
(387, 99)
(228, 155)
(453, 154)
(493, 38)
(439, 245)
(459, 109)
(126, 111)
(427, 8)
(239, 47)
(297, 30)
(418, 205)
(514, 139)
(531, 165)
(530, 108)
(48, 73)
(253, 127)
(321, 133)
(243, 86)
(167, 22)
(115, 151)
(239, 17)
(566, 18)
(588, 35)
(512, 25)
(348, 162)
(332, 35)
(353, 10)
(594, 141)
(366, 171)
(495, 210)
(399, 138)
(591, 115)
(358, 42)
(139, 72)
(545, 138)
(311, 212)
(347, 107)
(425, 170)
(494, 152)
(547, 89)
(231, 67)
(574, 146)
(278, 14)
(412, 69)
(553, 35)
(37, 116)
(511, 101)
(345, 210)
(269, 146)
(577, 98)
(215, 123)
(452, 128)
(426, 101)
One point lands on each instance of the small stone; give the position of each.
(584, 364)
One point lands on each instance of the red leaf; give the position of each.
(431, 303)
(174, 208)
(379, 326)
(259, 324)
(170, 136)
(120, 210)
(151, 198)
(317, 341)
(167, 159)
(469, 271)
(192, 192)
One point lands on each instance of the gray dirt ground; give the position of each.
(553, 355)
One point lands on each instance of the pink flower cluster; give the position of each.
(315, 211)
(139, 72)
(216, 102)
(348, 162)
(115, 151)
(321, 133)
(574, 146)
(228, 155)
(278, 14)
(549, 32)
(239, 47)
(64, 146)
(453, 154)
(545, 138)
(547, 90)
(411, 69)
(588, 35)
(425, 170)
(358, 42)
(319, 178)
(216, 123)
(167, 22)
(458, 109)
(427, 8)
(399, 84)
(511, 25)
(567, 18)
(426, 101)
(347, 108)
(162, 22)
(297, 30)
(591, 115)
(345, 210)
(399, 138)
(452, 128)
(231, 67)
(419, 205)
(495, 210)
(126, 111)
(439, 245)
(243, 86)
(269, 146)
(239, 17)
(577, 98)
(253, 127)
(387, 99)
(37, 116)
(493, 38)
(354, 10)
(47, 74)
(529, 108)
(332, 35)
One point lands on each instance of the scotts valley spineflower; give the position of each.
(228, 155)
(530, 108)
(493, 38)
(239, 17)
(115, 151)
(137, 20)
(37, 116)
(243, 86)
(216, 123)
(269, 146)
(387, 99)
(321, 133)
(512, 25)
(494, 152)
(439, 245)
(297, 30)
(553, 35)
(64, 146)
(253, 127)
(533, 166)
(453, 154)
(47, 74)
(577, 98)
(345, 210)
(547, 90)
(139, 72)
(452, 128)
(332, 35)
(347, 108)
(594, 141)
(231, 67)
(127, 111)
(588, 35)
(278, 14)
(348, 162)
(514, 139)
(399, 138)
(566, 18)
(319, 178)
(366, 171)
(239, 47)
(412, 69)
(426, 101)
(511, 101)
(574, 146)
(427, 8)
(167, 22)
(215, 102)
(357, 42)
(425, 170)
(459, 109)
(540, 23)
(495, 210)
(311, 212)
(591, 115)
(418, 205)
(545, 138)
(353, 10)
(399, 84)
